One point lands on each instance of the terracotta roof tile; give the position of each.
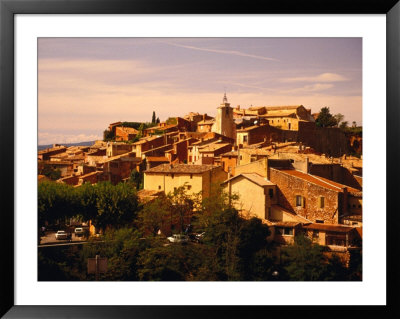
(180, 168)
(318, 180)
(156, 159)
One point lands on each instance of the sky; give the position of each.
(86, 83)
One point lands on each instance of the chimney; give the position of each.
(204, 116)
(147, 165)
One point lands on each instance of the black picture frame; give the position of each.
(8, 8)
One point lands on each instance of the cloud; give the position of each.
(324, 77)
(229, 52)
(308, 89)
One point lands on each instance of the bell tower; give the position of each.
(224, 123)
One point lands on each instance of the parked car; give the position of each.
(61, 234)
(79, 232)
(199, 237)
(178, 238)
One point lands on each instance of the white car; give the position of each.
(178, 238)
(61, 234)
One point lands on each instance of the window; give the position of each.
(172, 175)
(284, 231)
(319, 221)
(244, 138)
(288, 231)
(191, 176)
(189, 187)
(299, 201)
(321, 202)
(271, 192)
(315, 234)
(159, 187)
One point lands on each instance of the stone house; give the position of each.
(256, 194)
(199, 178)
(125, 133)
(283, 117)
(314, 198)
(148, 143)
(115, 149)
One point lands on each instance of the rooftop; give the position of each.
(279, 113)
(231, 153)
(253, 177)
(329, 227)
(156, 159)
(212, 147)
(318, 180)
(129, 130)
(146, 139)
(250, 128)
(278, 108)
(206, 122)
(180, 168)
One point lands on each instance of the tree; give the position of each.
(56, 202)
(51, 173)
(108, 135)
(153, 118)
(344, 125)
(325, 118)
(158, 120)
(354, 124)
(304, 260)
(141, 129)
(116, 205)
(339, 118)
(136, 178)
(170, 213)
(156, 215)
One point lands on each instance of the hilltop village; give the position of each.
(293, 175)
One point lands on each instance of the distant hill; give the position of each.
(89, 143)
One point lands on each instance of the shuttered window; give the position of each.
(321, 202)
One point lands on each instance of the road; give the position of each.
(50, 238)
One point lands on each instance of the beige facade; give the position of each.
(256, 194)
(198, 178)
(260, 167)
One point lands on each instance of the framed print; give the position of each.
(359, 40)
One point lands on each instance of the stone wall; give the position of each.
(330, 141)
(290, 186)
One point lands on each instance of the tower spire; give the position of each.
(225, 99)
